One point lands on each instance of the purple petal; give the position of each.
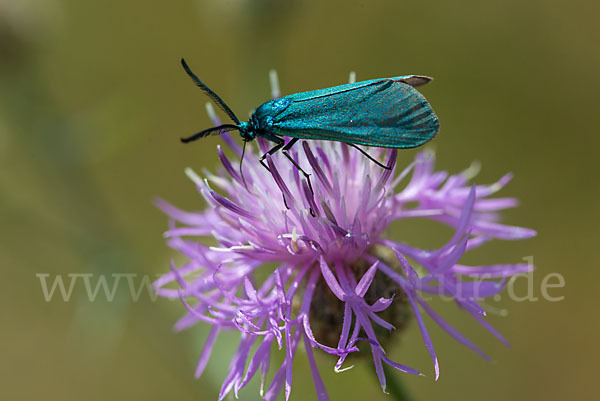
(366, 280)
(495, 204)
(491, 329)
(381, 304)
(319, 385)
(279, 377)
(308, 195)
(453, 257)
(331, 281)
(345, 326)
(412, 275)
(231, 206)
(289, 355)
(206, 351)
(381, 322)
(262, 353)
(280, 182)
(228, 167)
(480, 289)
(316, 167)
(450, 330)
(425, 335)
(463, 221)
(492, 271)
(178, 214)
(387, 173)
(401, 368)
(502, 231)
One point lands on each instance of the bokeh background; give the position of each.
(93, 102)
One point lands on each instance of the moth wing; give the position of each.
(335, 90)
(384, 112)
(414, 80)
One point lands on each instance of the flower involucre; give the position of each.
(272, 263)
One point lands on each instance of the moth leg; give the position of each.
(368, 156)
(285, 150)
(279, 144)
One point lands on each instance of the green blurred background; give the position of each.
(93, 102)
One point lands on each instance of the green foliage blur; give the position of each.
(93, 102)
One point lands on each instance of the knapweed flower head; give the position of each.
(321, 271)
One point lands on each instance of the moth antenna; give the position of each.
(212, 95)
(211, 131)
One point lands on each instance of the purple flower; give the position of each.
(322, 273)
